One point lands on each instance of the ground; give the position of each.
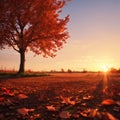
(73, 96)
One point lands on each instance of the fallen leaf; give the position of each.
(31, 110)
(83, 104)
(110, 116)
(22, 96)
(51, 108)
(67, 100)
(65, 114)
(35, 117)
(108, 102)
(80, 91)
(7, 92)
(92, 113)
(84, 114)
(87, 97)
(24, 111)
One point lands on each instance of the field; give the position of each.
(61, 96)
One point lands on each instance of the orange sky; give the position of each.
(94, 41)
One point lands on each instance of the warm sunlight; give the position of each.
(105, 68)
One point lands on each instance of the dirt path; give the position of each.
(90, 96)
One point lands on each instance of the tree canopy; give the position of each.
(33, 25)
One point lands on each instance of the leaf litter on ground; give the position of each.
(5, 97)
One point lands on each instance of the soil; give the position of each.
(74, 96)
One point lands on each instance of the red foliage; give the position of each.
(33, 25)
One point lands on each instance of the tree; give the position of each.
(32, 25)
(69, 71)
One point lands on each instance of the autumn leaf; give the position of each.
(31, 110)
(67, 100)
(92, 113)
(24, 111)
(108, 102)
(83, 104)
(22, 96)
(87, 97)
(6, 91)
(51, 108)
(110, 116)
(35, 117)
(85, 113)
(65, 114)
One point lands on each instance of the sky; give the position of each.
(94, 30)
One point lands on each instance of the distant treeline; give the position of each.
(112, 70)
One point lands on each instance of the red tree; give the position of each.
(32, 25)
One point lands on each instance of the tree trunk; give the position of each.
(22, 62)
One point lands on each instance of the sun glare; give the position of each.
(105, 68)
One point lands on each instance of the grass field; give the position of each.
(71, 96)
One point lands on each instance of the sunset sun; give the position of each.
(105, 68)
